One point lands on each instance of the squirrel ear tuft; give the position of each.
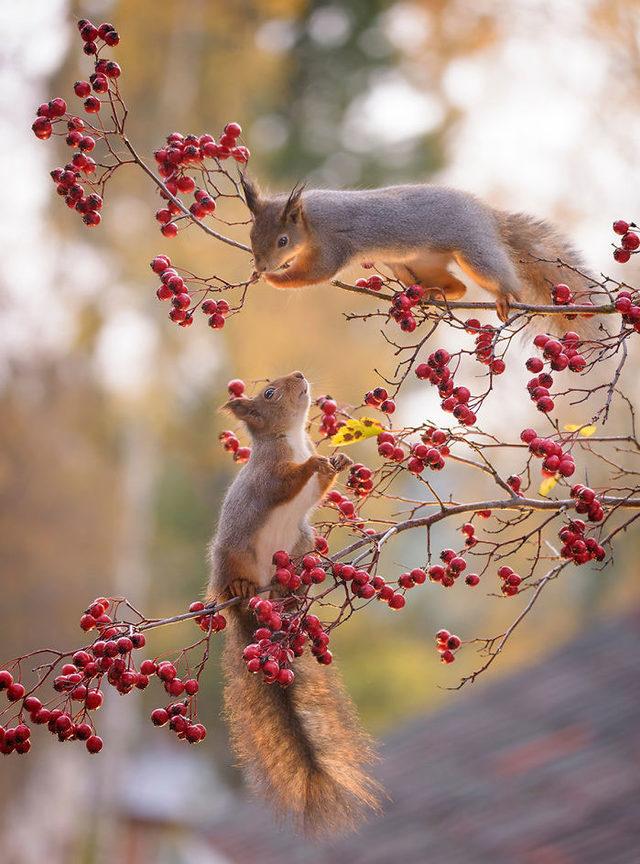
(251, 192)
(292, 211)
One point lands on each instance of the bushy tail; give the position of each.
(303, 748)
(539, 252)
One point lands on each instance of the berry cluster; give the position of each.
(109, 659)
(231, 444)
(402, 304)
(453, 565)
(207, 623)
(577, 547)
(15, 690)
(379, 398)
(560, 353)
(510, 581)
(365, 586)
(346, 508)
(587, 503)
(176, 715)
(539, 393)
(373, 283)
(630, 242)
(68, 186)
(280, 639)
(430, 452)
(329, 423)
(556, 460)
(389, 448)
(469, 531)
(182, 153)
(454, 399)
(91, 35)
(446, 645)
(360, 480)
(174, 288)
(80, 135)
(485, 345)
(411, 578)
(630, 311)
(310, 573)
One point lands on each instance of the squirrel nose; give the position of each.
(297, 375)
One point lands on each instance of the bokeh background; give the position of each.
(110, 469)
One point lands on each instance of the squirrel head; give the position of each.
(278, 232)
(280, 407)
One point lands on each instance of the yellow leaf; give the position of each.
(585, 431)
(356, 429)
(546, 486)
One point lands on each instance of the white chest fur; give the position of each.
(282, 528)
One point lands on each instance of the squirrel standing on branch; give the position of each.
(303, 746)
(417, 231)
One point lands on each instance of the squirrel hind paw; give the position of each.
(244, 588)
(503, 307)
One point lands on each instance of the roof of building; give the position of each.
(542, 767)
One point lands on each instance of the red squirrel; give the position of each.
(302, 747)
(418, 231)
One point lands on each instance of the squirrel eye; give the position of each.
(269, 393)
(282, 241)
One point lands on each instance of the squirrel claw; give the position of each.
(340, 461)
(503, 308)
(324, 466)
(242, 588)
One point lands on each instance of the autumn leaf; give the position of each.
(546, 486)
(356, 429)
(585, 431)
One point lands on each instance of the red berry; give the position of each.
(159, 717)
(82, 89)
(57, 107)
(93, 700)
(169, 230)
(216, 321)
(15, 692)
(236, 387)
(94, 744)
(42, 128)
(620, 255)
(397, 601)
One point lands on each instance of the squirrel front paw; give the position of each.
(323, 466)
(340, 461)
